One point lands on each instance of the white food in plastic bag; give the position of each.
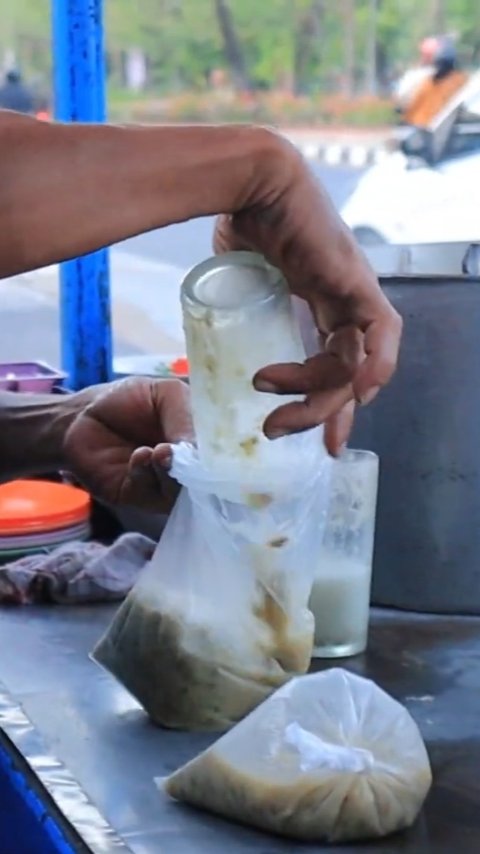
(219, 619)
(328, 757)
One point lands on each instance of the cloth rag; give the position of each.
(76, 573)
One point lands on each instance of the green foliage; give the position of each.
(299, 44)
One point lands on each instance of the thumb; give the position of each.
(226, 238)
(172, 402)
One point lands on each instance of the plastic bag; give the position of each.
(329, 757)
(219, 619)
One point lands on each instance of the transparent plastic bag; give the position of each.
(329, 757)
(219, 618)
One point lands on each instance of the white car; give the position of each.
(429, 190)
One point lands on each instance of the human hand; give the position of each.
(118, 446)
(292, 222)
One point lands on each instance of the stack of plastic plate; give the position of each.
(36, 516)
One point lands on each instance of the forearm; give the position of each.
(32, 430)
(66, 190)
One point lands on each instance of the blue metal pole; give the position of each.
(79, 84)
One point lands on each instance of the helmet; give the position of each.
(446, 50)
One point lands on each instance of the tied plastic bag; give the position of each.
(329, 757)
(219, 619)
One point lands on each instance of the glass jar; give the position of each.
(340, 597)
(238, 318)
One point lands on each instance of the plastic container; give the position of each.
(45, 539)
(28, 506)
(29, 376)
(29, 821)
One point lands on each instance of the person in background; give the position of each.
(69, 189)
(409, 84)
(439, 88)
(15, 95)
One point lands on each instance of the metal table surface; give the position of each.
(107, 745)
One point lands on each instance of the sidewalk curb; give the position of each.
(337, 154)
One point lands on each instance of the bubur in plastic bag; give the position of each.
(219, 618)
(328, 757)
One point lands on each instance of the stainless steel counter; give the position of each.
(110, 751)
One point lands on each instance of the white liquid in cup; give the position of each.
(340, 601)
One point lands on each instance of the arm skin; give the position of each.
(32, 430)
(66, 190)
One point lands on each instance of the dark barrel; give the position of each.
(426, 429)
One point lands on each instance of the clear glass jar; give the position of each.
(340, 597)
(238, 318)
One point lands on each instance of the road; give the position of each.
(189, 243)
(146, 272)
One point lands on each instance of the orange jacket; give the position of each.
(432, 97)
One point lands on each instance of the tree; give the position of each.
(307, 40)
(438, 16)
(233, 47)
(304, 45)
(372, 53)
(348, 11)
